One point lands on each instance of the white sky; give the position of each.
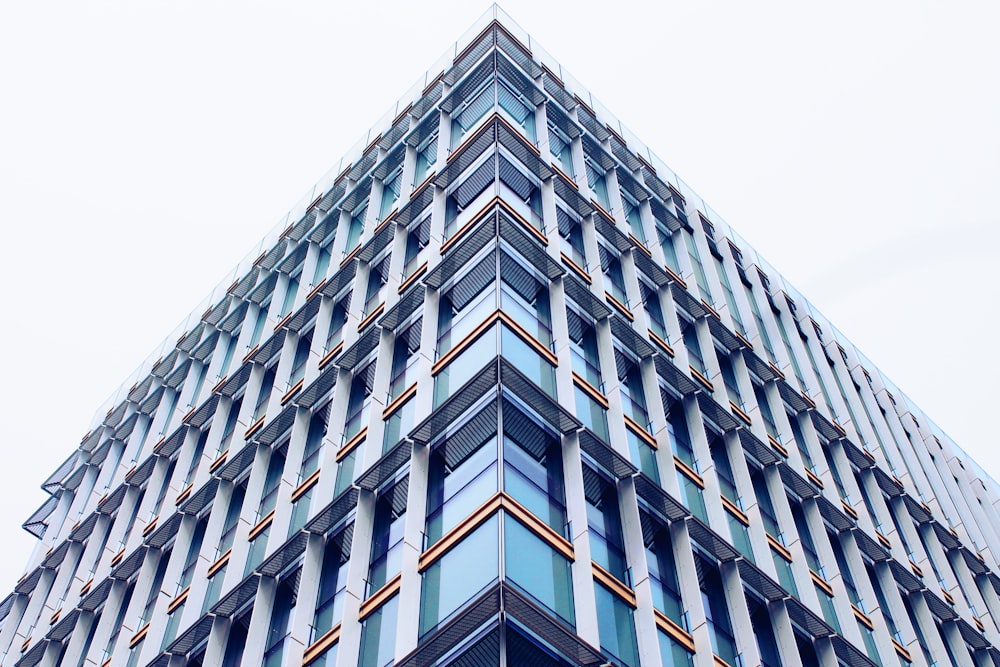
(145, 147)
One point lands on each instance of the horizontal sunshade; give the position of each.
(319, 389)
(386, 467)
(627, 157)
(237, 465)
(404, 308)
(238, 597)
(659, 500)
(193, 636)
(331, 515)
(360, 350)
(630, 185)
(288, 554)
(584, 298)
(418, 203)
(274, 255)
(630, 338)
(654, 183)
(609, 460)
(571, 196)
(616, 237)
(650, 269)
(665, 216)
(341, 279)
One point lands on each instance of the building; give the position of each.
(622, 439)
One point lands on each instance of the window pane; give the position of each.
(617, 627)
(459, 575)
(378, 636)
(537, 569)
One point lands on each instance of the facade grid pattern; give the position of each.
(505, 391)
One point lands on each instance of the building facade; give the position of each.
(504, 391)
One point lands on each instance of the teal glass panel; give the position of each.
(378, 635)
(643, 456)
(537, 569)
(673, 654)
(616, 626)
(591, 414)
(537, 484)
(454, 494)
(526, 360)
(459, 575)
(463, 367)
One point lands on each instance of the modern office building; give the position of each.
(504, 391)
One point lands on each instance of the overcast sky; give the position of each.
(145, 147)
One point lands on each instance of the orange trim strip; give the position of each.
(261, 526)
(351, 444)
(399, 400)
(380, 596)
(307, 484)
(219, 564)
(612, 583)
(321, 645)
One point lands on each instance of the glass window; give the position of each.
(561, 147)
(460, 479)
(474, 107)
(592, 414)
(632, 216)
(387, 541)
(571, 234)
(465, 366)
(266, 384)
(517, 106)
(597, 178)
(300, 359)
(426, 157)
(643, 455)
(663, 574)
(729, 379)
(723, 470)
(405, 354)
(673, 654)
(378, 635)
(616, 626)
(300, 512)
(356, 226)
(691, 496)
(232, 520)
(537, 569)
(607, 546)
(258, 547)
(677, 431)
(690, 336)
(390, 191)
(459, 575)
(359, 401)
(170, 632)
(215, 588)
(763, 632)
(713, 598)
(633, 394)
(289, 300)
(332, 588)
(524, 357)
(533, 473)
(584, 349)
(338, 318)
(284, 603)
(614, 277)
(272, 483)
(314, 443)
